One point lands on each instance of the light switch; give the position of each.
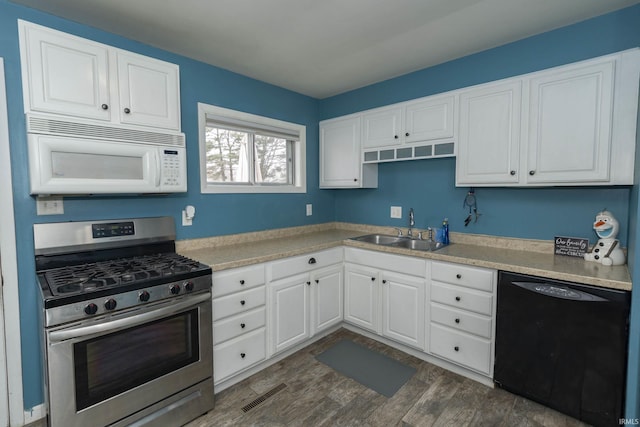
(396, 211)
(49, 205)
(309, 209)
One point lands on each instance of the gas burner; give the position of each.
(118, 272)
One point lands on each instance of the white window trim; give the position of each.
(300, 161)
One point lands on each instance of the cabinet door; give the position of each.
(489, 138)
(340, 153)
(65, 74)
(289, 307)
(149, 91)
(327, 298)
(361, 297)
(570, 125)
(403, 306)
(429, 119)
(382, 128)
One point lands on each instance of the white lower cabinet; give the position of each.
(462, 315)
(304, 304)
(239, 321)
(381, 299)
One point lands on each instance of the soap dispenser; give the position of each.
(445, 231)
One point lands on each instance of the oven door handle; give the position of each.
(138, 319)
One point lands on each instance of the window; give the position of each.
(245, 153)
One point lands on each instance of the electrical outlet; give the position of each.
(309, 209)
(396, 211)
(49, 206)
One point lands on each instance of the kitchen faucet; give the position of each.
(412, 222)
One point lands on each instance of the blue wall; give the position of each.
(425, 185)
(215, 214)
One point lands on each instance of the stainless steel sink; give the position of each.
(379, 239)
(399, 242)
(419, 245)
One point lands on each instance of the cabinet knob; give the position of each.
(384, 281)
(242, 282)
(532, 173)
(309, 283)
(456, 348)
(512, 173)
(355, 179)
(127, 110)
(104, 106)
(458, 276)
(243, 355)
(395, 136)
(406, 134)
(457, 320)
(242, 302)
(312, 260)
(457, 298)
(242, 325)
(317, 281)
(373, 278)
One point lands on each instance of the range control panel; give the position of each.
(113, 229)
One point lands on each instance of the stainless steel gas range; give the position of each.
(127, 324)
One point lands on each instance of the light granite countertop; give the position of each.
(516, 255)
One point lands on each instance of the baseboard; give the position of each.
(36, 416)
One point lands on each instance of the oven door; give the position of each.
(102, 371)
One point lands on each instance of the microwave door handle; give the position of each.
(127, 322)
(158, 169)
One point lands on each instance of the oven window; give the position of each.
(112, 364)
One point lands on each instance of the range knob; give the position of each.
(91, 309)
(175, 289)
(188, 286)
(110, 304)
(144, 296)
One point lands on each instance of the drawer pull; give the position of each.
(458, 276)
(242, 355)
(242, 282)
(457, 320)
(242, 302)
(457, 298)
(242, 325)
(312, 260)
(456, 348)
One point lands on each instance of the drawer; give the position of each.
(303, 263)
(238, 302)
(460, 275)
(238, 354)
(237, 325)
(460, 348)
(238, 279)
(400, 263)
(461, 320)
(462, 298)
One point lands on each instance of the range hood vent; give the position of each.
(50, 126)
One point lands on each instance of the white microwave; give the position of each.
(105, 164)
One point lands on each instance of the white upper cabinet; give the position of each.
(425, 119)
(340, 157)
(71, 76)
(489, 139)
(572, 125)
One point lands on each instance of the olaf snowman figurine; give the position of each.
(607, 250)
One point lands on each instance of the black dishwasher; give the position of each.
(563, 345)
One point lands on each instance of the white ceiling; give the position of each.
(325, 47)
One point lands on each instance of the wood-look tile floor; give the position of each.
(316, 395)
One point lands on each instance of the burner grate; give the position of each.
(113, 273)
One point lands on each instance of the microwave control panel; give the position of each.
(173, 169)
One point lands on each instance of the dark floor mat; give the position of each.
(370, 368)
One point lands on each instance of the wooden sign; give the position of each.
(571, 246)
